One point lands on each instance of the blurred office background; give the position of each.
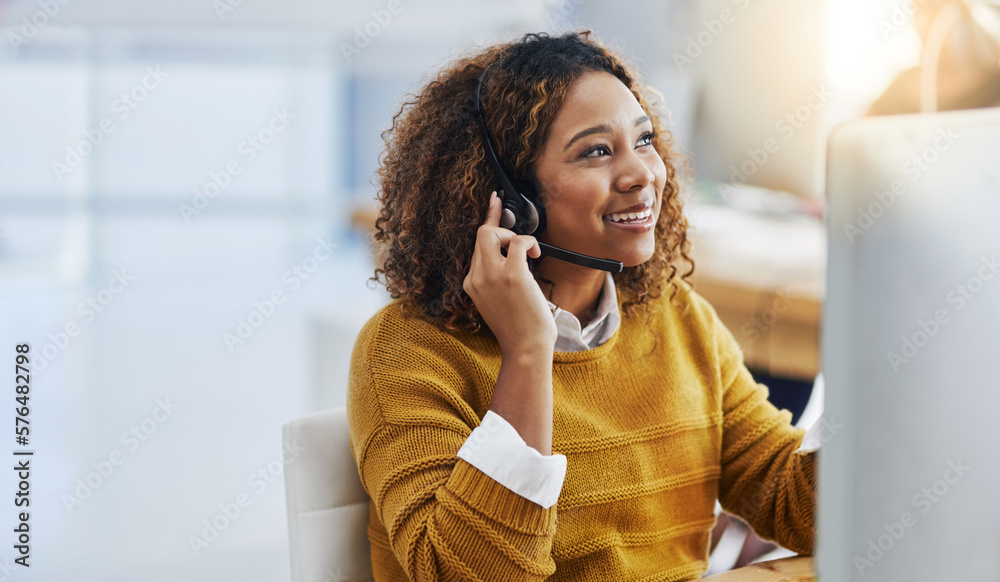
(212, 154)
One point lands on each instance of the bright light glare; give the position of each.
(870, 42)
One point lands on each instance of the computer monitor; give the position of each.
(911, 351)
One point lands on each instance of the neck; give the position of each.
(574, 288)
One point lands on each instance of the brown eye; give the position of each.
(601, 148)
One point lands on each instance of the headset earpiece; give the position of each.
(508, 216)
(521, 214)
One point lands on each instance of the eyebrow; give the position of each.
(603, 128)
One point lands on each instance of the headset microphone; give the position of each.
(522, 212)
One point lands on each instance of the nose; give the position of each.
(633, 173)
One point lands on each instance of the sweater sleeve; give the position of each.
(764, 480)
(445, 519)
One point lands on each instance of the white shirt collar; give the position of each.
(573, 339)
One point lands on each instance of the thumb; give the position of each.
(494, 210)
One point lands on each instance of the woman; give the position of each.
(517, 417)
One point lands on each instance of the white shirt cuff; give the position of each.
(495, 448)
(813, 438)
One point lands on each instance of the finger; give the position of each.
(470, 284)
(493, 243)
(518, 248)
(494, 210)
(535, 251)
(490, 239)
(485, 246)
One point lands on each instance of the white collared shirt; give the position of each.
(573, 339)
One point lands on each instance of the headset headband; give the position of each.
(523, 216)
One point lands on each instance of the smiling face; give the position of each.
(600, 177)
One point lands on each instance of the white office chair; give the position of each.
(327, 506)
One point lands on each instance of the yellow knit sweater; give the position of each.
(656, 424)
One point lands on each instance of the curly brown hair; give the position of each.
(435, 181)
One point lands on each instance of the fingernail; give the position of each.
(493, 197)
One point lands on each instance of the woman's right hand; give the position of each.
(512, 304)
(504, 290)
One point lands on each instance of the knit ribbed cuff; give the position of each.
(490, 498)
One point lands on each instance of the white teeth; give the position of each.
(625, 216)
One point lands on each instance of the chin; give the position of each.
(635, 259)
(638, 254)
(630, 264)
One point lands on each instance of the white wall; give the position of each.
(162, 337)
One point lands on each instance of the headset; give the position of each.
(522, 211)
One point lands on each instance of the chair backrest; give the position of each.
(327, 505)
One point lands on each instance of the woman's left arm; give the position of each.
(763, 480)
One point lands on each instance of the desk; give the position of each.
(797, 569)
(764, 275)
